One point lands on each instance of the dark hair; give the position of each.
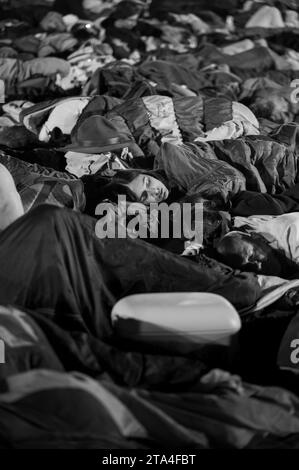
(123, 177)
(263, 108)
(98, 187)
(226, 252)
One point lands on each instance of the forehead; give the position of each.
(138, 184)
(140, 178)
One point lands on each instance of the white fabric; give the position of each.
(229, 25)
(70, 20)
(244, 122)
(14, 108)
(97, 6)
(266, 17)
(6, 121)
(2, 91)
(248, 5)
(151, 43)
(243, 113)
(64, 116)
(292, 19)
(162, 118)
(238, 47)
(228, 130)
(80, 164)
(272, 289)
(198, 26)
(281, 62)
(292, 59)
(75, 77)
(282, 231)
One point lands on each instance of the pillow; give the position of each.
(177, 322)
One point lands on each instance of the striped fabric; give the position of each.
(40, 185)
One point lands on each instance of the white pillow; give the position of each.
(177, 321)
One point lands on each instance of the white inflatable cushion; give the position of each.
(173, 320)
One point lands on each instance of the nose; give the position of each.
(155, 191)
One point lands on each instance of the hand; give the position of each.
(192, 249)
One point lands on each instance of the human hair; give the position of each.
(98, 187)
(228, 250)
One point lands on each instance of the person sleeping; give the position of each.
(144, 186)
(263, 244)
(179, 171)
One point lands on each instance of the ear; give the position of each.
(258, 265)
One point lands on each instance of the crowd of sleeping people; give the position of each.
(246, 230)
(134, 116)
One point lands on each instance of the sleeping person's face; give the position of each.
(241, 251)
(148, 189)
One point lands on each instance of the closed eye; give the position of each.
(146, 182)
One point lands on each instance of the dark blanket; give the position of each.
(52, 261)
(37, 411)
(34, 341)
(248, 203)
